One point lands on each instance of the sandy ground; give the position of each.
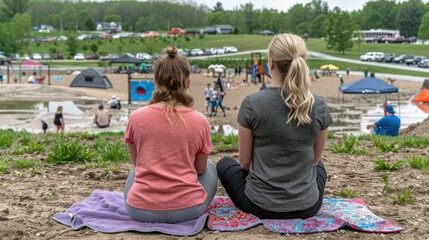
(26, 214)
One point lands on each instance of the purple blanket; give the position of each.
(334, 214)
(105, 212)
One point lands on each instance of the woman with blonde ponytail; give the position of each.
(282, 132)
(169, 142)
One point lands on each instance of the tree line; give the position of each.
(314, 18)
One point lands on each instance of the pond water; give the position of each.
(348, 119)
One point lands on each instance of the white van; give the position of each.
(372, 56)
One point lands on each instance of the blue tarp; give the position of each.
(368, 86)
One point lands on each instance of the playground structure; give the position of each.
(256, 69)
(140, 89)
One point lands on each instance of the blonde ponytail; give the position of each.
(288, 52)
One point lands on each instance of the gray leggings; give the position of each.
(209, 182)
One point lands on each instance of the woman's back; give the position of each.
(282, 173)
(165, 164)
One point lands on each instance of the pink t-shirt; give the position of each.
(166, 178)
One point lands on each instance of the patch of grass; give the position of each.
(216, 138)
(230, 139)
(414, 141)
(26, 138)
(347, 193)
(68, 151)
(227, 144)
(4, 165)
(404, 196)
(35, 147)
(19, 151)
(385, 181)
(349, 146)
(81, 135)
(381, 165)
(113, 168)
(419, 162)
(23, 163)
(385, 146)
(116, 151)
(6, 139)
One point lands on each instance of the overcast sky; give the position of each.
(284, 5)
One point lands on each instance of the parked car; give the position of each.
(423, 64)
(229, 49)
(36, 56)
(79, 56)
(197, 52)
(92, 57)
(176, 31)
(26, 57)
(15, 56)
(388, 57)
(371, 56)
(58, 56)
(415, 60)
(208, 51)
(109, 56)
(46, 56)
(265, 32)
(191, 32)
(151, 34)
(144, 56)
(208, 30)
(402, 58)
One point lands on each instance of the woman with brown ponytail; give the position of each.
(169, 142)
(282, 133)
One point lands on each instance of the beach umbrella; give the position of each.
(330, 66)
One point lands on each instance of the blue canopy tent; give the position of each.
(369, 85)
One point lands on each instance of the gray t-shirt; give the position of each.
(282, 176)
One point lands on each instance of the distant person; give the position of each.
(32, 78)
(59, 120)
(172, 179)
(282, 134)
(341, 80)
(207, 93)
(348, 71)
(365, 72)
(115, 103)
(143, 67)
(387, 125)
(44, 127)
(214, 101)
(372, 74)
(102, 117)
(239, 71)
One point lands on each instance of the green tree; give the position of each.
(90, 24)
(409, 17)
(214, 18)
(72, 45)
(83, 16)
(12, 7)
(378, 14)
(112, 18)
(19, 28)
(424, 27)
(94, 47)
(218, 7)
(339, 28)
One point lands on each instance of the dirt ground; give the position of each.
(25, 212)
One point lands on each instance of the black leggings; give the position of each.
(233, 179)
